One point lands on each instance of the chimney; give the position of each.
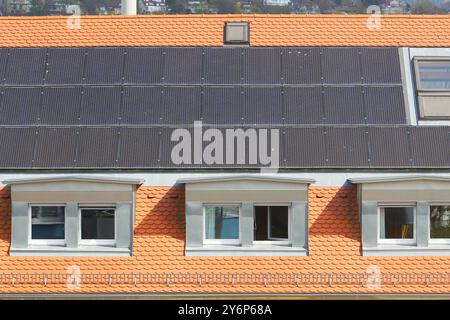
(129, 7)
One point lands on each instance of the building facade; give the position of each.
(225, 154)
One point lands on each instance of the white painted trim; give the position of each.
(82, 178)
(408, 86)
(323, 178)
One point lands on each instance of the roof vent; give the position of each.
(236, 33)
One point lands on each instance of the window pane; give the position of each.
(279, 222)
(434, 74)
(440, 222)
(222, 222)
(261, 231)
(397, 223)
(47, 223)
(97, 224)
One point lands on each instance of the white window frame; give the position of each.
(275, 241)
(45, 242)
(221, 241)
(412, 241)
(422, 93)
(435, 240)
(96, 242)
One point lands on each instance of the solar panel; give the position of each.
(262, 66)
(104, 65)
(55, 148)
(26, 66)
(341, 65)
(144, 65)
(223, 65)
(344, 105)
(301, 66)
(139, 148)
(61, 105)
(262, 106)
(183, 65)
(142, 105)
(20, 106)
(100, 105)
(65, 65)
(17, 147)
(303, 105)
(97, 147)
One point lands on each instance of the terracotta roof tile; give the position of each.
(206, 30)
(334, 246)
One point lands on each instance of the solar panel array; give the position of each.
(117, 107)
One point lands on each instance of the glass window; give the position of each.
(271, 223)
(397, 223)
(434, 75)
(222, 222)
(47, 222)
(440, 222)
(97, 224)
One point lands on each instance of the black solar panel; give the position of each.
(100, 105)
(104, 65)
(222, 105)
(262, 66)
(344, 105)
(262, 106)
(304, 148)
(380, 65)
(20, 106)
(65, 66)
(142, 105)
(389, 147)
(341, 65)
(97, 147)
(17, 147)
(139, 148)
(430, 146)
(26, 66)
(347, 147)
(301, 66)
(144, 65)
(55, 148)
(384, 105)
(61, 106)
(183, 66)
(181, 105)
(223, 65)
(3, 62)
(303, 105)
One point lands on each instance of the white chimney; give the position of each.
(129, 7)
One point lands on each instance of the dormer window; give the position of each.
(433, 86)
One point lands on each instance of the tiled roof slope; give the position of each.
(334, 246)
(207, 30)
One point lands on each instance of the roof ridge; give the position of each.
(218, 16)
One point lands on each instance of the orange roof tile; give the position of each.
(334, 246)
(207, 30)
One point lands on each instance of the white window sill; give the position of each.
(62, 251)
(386, 250)
(237, 250)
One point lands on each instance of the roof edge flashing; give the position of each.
(245, 178)
(398, 178)
(81, 178)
